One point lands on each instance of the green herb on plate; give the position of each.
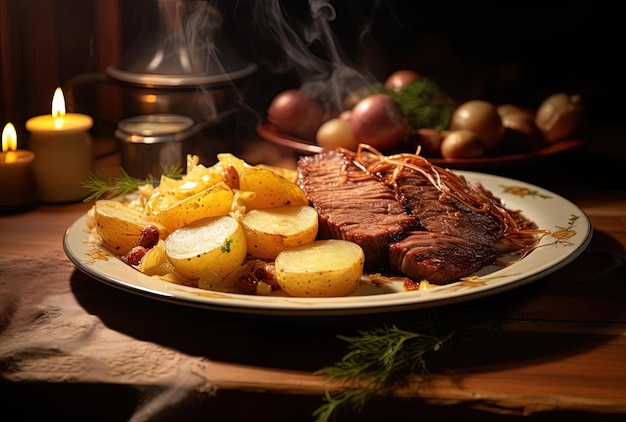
(102, 186)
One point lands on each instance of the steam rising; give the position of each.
(188, 43)
(183, 39)
(309, 48)
(195, 40)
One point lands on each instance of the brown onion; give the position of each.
(559, 116)
(462, 143)
(294, 113)
(482, 118)
(428, 141)
(522, 134)
(357, 95)
(399, 79)
(379, 121)
(507, 109)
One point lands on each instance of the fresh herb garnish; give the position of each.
(424, 103)
(382, 355)
(102, 186)
(226, 246)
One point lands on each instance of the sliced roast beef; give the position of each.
(457, 240)
(352, 205)
(438, 212)
(420, 220)
(439, 258)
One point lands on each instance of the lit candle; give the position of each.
(63, 148)
(17, 180)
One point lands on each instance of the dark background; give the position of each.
(516, 52)
(505, 52)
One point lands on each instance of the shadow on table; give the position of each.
(578, 291)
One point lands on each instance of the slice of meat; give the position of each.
(353, 205)
(457, 240)
(438, 212)
(438, 258)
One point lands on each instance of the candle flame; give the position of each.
(58, 104)
(150, 98)
(9, 138)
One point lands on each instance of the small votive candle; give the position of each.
(64, 153)
(17, 179)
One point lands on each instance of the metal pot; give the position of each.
(150, 144)
(181, 63)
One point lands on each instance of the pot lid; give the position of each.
(178, 80)
(182, 43)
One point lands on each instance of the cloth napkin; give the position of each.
(47, 336)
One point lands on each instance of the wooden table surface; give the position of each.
(562, 351)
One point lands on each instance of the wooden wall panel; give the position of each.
(107, 44)
(9, 73)
(44, 43)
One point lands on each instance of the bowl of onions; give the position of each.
(410, 113)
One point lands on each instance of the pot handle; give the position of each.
(78, 81)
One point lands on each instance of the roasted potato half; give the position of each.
(323, 268)
(269, 231)
(119, 225)
(215, 243)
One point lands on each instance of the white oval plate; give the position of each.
(570, 229)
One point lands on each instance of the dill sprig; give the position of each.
(102, 186)
(375, 358)
(381, 355)
(425, 104)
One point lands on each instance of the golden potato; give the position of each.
(211, 202)
(269, 231)
(288, 173)
(119, 225)
(560, 116)
(155, 261)
(481, 118)
(336, 133)
(462, 143)
(323, 268)
(216, 243)
(272, 190)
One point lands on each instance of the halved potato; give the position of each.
(323, 268)
(119, 225)
(272, 190)
(211, 202)
(269, 231)
(216, 243)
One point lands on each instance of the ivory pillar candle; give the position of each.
(17, 179)
(64, 154)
